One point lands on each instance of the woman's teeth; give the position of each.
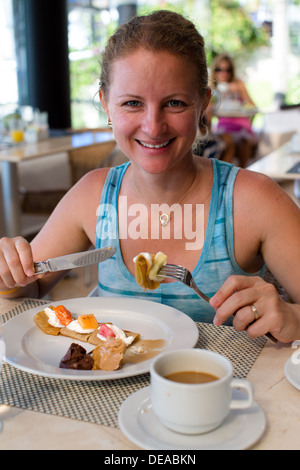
(164, 144)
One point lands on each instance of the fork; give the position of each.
(183, 275)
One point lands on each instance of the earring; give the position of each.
(203, 129)
(109, 123)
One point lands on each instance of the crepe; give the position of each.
(75, 335)
(41, 320)
(94, 339)
(146, 269)
(107, 355)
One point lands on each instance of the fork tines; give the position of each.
(171, 270)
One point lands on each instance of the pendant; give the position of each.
(164, 219)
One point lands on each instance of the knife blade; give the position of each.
(75, 260)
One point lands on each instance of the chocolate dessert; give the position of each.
(77, 358)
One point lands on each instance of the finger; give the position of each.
(243, 318)
(230, 286)
(5, 273)
(258, 328)
(239, 305)
(25, 255)
(12, 271)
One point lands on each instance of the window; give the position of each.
(8, 64)
(91, 22)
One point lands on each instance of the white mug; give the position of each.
(195, 408)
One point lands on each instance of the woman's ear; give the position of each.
(206, 101)
(103, 102)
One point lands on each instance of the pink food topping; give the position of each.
(106, 331)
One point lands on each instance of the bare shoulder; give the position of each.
(265, 219)
(78, 208)
(252, 184)
(258, 195)
(90, 186)
(95, 178)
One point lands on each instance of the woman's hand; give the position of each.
(257, 308)
(16, 263)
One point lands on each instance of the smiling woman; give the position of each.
(156, 125)
(154, 90)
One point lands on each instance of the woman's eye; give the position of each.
(132, 103)
(175, 103)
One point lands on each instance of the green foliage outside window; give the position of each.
(232, 30)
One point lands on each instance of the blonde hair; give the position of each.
(161, 30)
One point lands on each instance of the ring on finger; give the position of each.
(255, 311)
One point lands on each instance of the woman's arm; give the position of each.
(70, 229)
(267, 224)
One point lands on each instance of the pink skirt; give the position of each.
(235, 125)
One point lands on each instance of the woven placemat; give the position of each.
(99, 402)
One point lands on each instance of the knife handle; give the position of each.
(40, 267)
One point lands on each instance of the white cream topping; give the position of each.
(146, 255)
(119, 334)
(52, 318)
(74, 326)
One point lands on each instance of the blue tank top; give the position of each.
(215, 264)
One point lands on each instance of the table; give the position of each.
(26, 429)
(11, 156)
(240, 112)
(278, 165)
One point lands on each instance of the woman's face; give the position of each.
(154, 107)
(223, 71)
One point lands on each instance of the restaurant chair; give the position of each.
(81, 161)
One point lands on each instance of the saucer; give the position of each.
(240, 430)
(292, 371)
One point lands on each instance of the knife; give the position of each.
(75, 260)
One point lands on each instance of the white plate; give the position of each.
(292, 371)
(240, 430)
(31, 350)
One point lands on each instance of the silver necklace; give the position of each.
(165, 218)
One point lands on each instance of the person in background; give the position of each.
(154, 90)
(233, 97)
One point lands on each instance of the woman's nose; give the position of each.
(154, 122)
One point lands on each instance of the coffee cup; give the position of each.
(195, 408)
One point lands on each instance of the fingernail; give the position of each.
(214, 301)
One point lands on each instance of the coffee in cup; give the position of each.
(191, 390)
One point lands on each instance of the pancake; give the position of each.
(146, 269)
(41, 320)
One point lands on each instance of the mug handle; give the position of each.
(246, 403)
